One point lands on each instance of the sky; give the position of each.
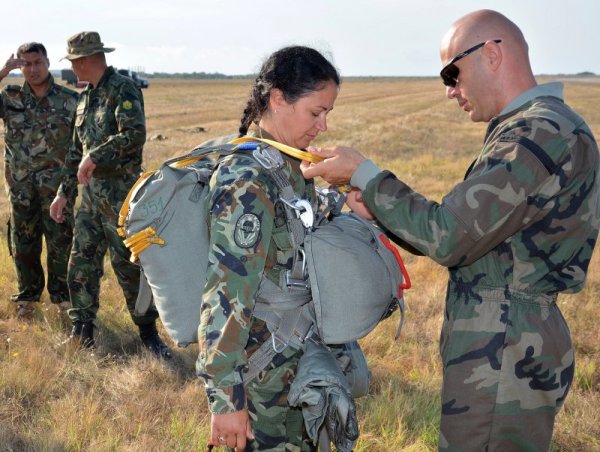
(233, 37)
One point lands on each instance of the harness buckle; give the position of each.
(278, 344)
(295, 282)
(303, 210)
(268, 160)
(305, 213)
(311, 335)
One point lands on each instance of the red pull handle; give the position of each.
(406, 279)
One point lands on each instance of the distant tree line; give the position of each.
(220, 76)
(196, 75)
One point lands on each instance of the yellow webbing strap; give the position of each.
(289, 150)
(141, 240)
(125, 207)
(188, 161)
(292, 152)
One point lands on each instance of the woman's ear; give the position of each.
(276, 100)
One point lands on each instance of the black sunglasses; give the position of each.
(450, 72)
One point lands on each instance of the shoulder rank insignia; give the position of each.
(127, 105)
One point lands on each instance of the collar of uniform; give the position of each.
(259, 132)
(107, 73)
(554, 89)
(302, 186)
(262, 133)
(29, 92)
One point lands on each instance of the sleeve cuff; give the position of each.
(67, 191)
(226, 400)
(366, 171)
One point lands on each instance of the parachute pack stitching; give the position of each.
(165, 239)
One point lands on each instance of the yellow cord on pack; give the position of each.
(289, 150)
(141, 240)
(125, 207)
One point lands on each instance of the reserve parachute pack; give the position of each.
(345, 278)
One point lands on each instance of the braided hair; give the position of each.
(296, 71)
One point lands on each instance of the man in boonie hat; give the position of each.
(106, 157)
(84, 44)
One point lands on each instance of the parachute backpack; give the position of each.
(348, 276)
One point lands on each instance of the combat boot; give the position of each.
(153, 342)
(63, 307)
(25, 310)
(82, 334)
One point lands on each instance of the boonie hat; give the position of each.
(85, 43)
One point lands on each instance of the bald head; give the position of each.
(505, 65)
(484, 25)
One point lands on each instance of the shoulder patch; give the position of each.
(127, 105)
(247, 230)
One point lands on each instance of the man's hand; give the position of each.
(11, 63)
(57, 207)
(355, 201)
(86, 169)
(231, 430)
(337, 168)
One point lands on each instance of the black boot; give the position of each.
(153, 342)
(82, 334)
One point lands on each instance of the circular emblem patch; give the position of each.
(247, 230)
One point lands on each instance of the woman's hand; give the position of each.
(231, 430)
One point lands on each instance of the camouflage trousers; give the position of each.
(29, 224)
(508, 366)
(95, 233)
(277, 427)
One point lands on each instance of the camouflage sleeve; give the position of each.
(241, 223)
(492, 204)
(68, 184)
(2, 114)
(131, 129)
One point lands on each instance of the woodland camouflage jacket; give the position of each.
(110, 126)
(526, 216)
(248, 237)
(37, 131)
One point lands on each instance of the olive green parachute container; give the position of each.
(353, 277)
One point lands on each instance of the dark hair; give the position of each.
(30, 47)
(296, 71)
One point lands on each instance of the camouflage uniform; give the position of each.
(248, 238)
(110, 127)
(37, 138)
(520, 229)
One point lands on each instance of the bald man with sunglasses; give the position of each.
(519, 230)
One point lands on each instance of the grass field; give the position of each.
(122, 399)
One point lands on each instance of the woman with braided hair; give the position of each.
(249, 239)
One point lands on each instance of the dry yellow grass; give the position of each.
(123, 399)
